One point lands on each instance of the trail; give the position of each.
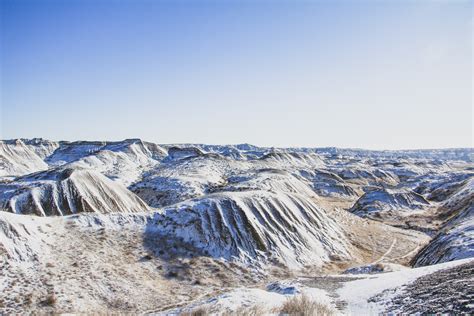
(414, 250)
(386, 253)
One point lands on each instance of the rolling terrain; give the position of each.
(133, 226)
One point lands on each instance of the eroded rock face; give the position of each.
(257, 225)
(127, 221)
(376, 202)
(69, 191)
(328, 184)
(18, 158)
(134, 149)
(455, 239)
(178, 153)
(62, 178)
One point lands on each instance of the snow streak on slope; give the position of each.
(16, 158)
(226, 217)
(326, 183)
(455, 240)
(272, 180)
(257, 225)
(125, 176)
(378, 201)
(134, 148)
(190, 177)
(42, 147)
(125, 163)
(441, 187)
(69, 191)
(364, 173)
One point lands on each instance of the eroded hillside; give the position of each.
(112, 226)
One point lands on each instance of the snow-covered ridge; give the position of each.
(68, 191)
(17, 158)
(455, 240)
(59, 178)
(136, 148)
(116, 225)
(383, 200)
(257, 225)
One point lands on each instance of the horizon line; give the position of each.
(237, 144)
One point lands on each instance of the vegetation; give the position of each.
(50, 300)
(303, 306)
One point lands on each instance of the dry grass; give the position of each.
(255, 310)
(29, 299)
(303, 306)
(121, 304)
(50, 300)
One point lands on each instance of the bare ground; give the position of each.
(105, 270)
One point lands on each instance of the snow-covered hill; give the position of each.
(131, 220)
(17, 158)
(378, 201)
(256, 226)
(64, 191)
(455, 239)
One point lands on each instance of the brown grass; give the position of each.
(50, 300)
(303, 306)
(29, 299)
(255, 310)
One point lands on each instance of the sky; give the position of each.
(360, 74)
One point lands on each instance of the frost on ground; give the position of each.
(138, 227)
(446, 291)
(400, 290)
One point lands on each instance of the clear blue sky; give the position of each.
(373, 74)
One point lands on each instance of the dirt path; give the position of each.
(386, 253)
(412, 252)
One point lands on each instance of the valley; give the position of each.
(189, 229)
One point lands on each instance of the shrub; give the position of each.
(303, 306)
(29, 299)
(50, 300)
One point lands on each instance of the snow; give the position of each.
(23, 237)
(258, 208)
(382, 200)
(16, 158)
(455, 240)
(257, 226)
(69, 191)
(267, 300)
(357, 293)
